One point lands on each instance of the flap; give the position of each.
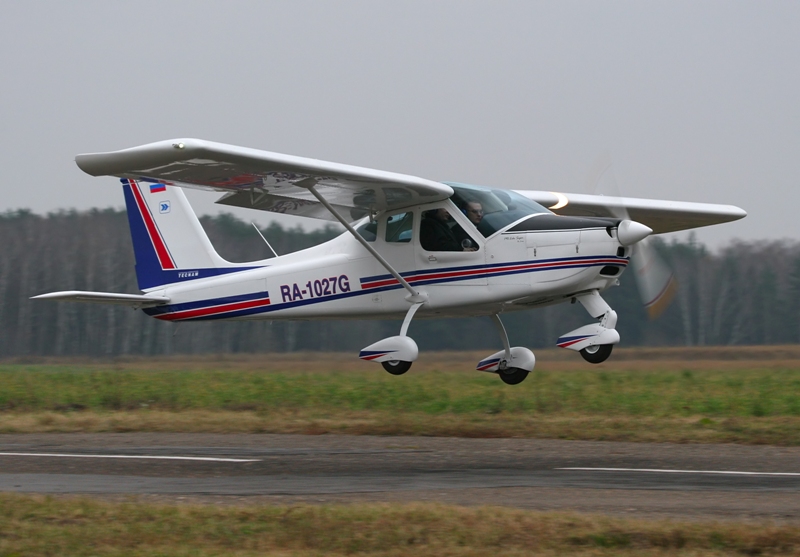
(662, 216)
(264, 180)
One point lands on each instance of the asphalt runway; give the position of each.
(710, 481)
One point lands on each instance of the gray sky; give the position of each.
(694, 101)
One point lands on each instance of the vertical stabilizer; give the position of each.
(169, 243)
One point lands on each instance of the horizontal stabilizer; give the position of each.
(132, 300)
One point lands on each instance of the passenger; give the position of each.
(435, 233)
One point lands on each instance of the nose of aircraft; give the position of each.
(629, 232)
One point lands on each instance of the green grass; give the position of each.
(749, 402)
(755, 392)
(35, 525)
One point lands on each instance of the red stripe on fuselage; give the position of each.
(204, 312)
(164, 257)
(490, 271)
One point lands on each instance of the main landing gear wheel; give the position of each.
(597, 353)
(396, 367)
(513, 375)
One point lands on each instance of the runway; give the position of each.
(715, 481)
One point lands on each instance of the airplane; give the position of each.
(412, 247)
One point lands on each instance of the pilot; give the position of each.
(474, 212)
(435, 233)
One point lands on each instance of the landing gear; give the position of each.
(597, 354)
(595, 341)
(395, 354)
(513, 375)
(396, 367)
(511, 364)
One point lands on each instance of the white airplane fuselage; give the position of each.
(510, 270)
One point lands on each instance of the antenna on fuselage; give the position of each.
(275, 253)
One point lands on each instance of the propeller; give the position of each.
(654, 278)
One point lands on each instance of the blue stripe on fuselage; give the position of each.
(621, 262)
(161, 310)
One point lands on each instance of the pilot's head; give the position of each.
(437, 214)
(474, 212)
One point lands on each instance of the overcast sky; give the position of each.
(694, 101)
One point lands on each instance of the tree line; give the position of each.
(746, 293)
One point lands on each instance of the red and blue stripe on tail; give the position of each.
(169, 243)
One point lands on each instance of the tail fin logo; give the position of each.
(163, 207)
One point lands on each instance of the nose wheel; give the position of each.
(597, 354)
(594, 342)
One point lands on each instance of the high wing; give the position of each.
(661, 216)
(264, 180)
(279, 183)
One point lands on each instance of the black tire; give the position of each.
(513, 375)
(597, 353)
(396, 367)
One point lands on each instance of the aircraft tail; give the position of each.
(169, 243)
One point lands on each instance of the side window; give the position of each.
(399, 227)
(438, 231)
(368, 231)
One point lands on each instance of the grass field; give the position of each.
(36, 525)
(703, 395)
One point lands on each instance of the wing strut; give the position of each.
(415, 295)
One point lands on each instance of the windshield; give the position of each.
(491, 210)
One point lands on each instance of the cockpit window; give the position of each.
(492, 210)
